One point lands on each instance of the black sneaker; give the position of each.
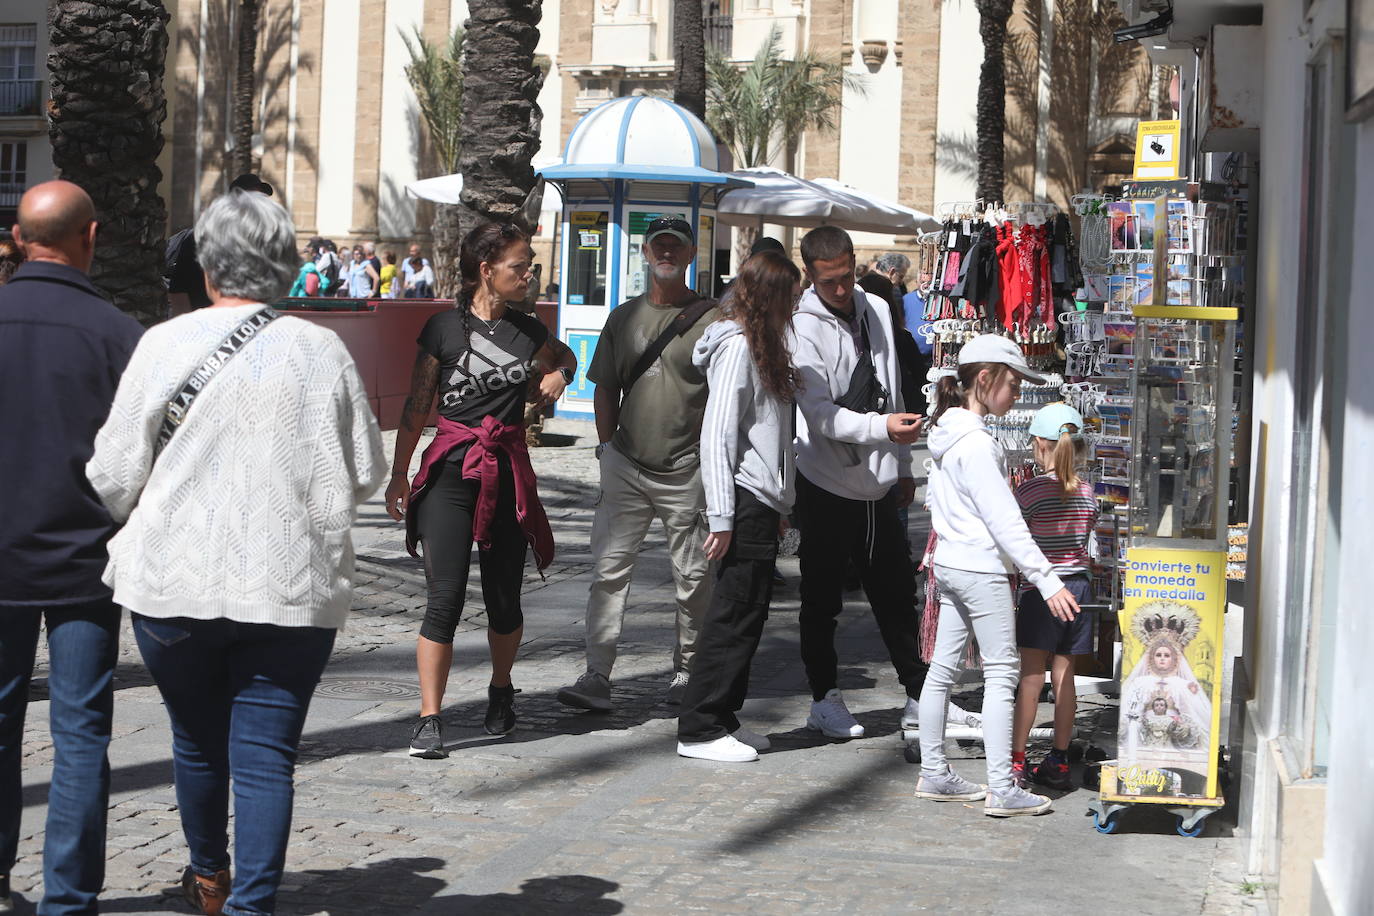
(427, 741)
(1053, 771)
(500, 710)
(6, 904)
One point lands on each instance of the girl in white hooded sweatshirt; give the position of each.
(982, 540)
(748, 472)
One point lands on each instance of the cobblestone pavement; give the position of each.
(580, 813)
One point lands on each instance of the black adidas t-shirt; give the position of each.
(488, 374)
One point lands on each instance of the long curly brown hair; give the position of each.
(761, 300)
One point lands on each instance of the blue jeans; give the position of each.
(83, 643)
(237, 695)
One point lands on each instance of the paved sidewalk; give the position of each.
(578, 813)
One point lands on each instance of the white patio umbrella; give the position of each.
(787, 200)
(446, 188)
(916, 220)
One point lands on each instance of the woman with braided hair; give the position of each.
(475, 483)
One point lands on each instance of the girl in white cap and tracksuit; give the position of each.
(982, 538)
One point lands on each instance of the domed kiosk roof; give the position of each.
(640, 137)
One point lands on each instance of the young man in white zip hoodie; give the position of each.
(848, 461)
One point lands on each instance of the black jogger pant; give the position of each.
(835, 530)
(445, 526)
(733, 623)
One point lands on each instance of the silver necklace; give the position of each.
(490, 325)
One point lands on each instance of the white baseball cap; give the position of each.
(994, 348)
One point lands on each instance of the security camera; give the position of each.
(1156, 26)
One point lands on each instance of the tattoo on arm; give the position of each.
(424, 382)
(555, 353)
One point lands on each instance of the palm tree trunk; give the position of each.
(992, 99)
(244, 87)
(106, 65)
(446, 228)
(500, 109)
(689, 57)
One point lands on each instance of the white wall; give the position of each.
(339, 82)
(871, 135)
(961, 54)
(1277, 258)
(400, 142)
(1344, 872)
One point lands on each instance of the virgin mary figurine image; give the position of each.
(1166, 713)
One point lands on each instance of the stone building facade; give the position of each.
(338, 132)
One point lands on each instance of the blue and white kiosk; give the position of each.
(627, 162)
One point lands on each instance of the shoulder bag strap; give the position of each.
(195, 383)
(680, 325)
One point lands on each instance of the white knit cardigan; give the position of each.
(247, 513)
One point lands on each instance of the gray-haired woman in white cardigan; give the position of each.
(235, 558)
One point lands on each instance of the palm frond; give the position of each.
(437, 79)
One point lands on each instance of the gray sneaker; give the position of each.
(677, 688)
(427, 740)
(1014, 801)
(949, 786)
(592, 691)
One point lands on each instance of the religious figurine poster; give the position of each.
(1172, 621)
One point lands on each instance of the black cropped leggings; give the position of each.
(444, 522)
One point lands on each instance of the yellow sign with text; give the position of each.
(1157, 149)
(1172, 621)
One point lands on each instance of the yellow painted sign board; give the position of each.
(1172, 620)
(1157, 149)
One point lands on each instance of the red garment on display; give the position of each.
(1013, 294)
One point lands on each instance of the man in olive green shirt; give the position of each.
(649, 462)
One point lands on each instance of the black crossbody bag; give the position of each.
(191, 387)
(865, 394)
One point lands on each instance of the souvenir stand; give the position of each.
(1163, 385)
(627, 162)
(1009, 269)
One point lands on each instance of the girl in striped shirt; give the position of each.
(1060, 511)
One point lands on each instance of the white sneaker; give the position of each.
(1014, 801)
(831, 717)
(948, 786)
(753, 739)
(677, 688)
(911, 715)
(721, 750)
(957, 715)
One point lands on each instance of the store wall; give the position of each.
(1277, 260)
(1343, 882)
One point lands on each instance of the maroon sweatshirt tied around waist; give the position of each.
(480, 464)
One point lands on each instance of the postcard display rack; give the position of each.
(1162, 394)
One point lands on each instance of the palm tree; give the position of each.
(689, 57)
(500, 118)
(436, 76)
(106, 65)
(992, 98)
(766, 106)
(245, 71)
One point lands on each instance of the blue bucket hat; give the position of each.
(1050, 421)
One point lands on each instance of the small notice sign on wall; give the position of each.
(1156, 149)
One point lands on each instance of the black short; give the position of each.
(444, 521)
(1037, 628)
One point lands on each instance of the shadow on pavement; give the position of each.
(402, 885)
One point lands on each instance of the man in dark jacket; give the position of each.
(63, 348)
